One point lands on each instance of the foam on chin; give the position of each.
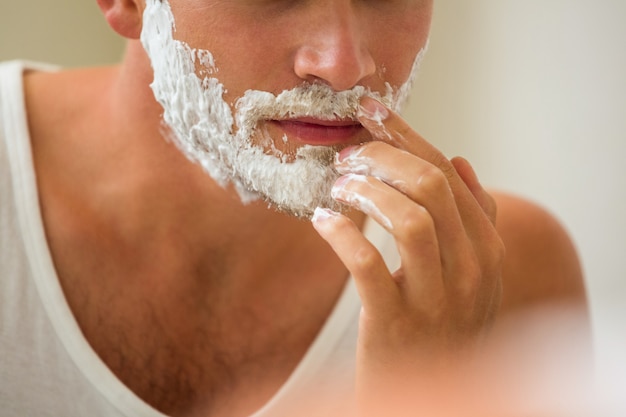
(203, 126)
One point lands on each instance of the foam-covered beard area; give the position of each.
(220, 138)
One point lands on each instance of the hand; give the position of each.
(424, 316)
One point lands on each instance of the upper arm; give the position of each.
(541, 266)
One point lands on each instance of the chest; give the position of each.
(187, 349)
(188, 338)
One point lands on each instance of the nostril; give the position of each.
(340, 63)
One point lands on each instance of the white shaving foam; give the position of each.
(354, 163)
(361, 202)
(203, 125)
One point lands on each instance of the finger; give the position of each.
(387, 126)
(377, 289)
(493, 250)
(420, 181)
(390, 127)
(413, 229)
(469, 177)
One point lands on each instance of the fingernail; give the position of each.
(346, 153)
(372, 109)
(338, 189)
(350, 161)
(321, 214)
(340, 184)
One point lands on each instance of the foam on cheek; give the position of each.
(404, 91)
(195, 112)
(202, 124)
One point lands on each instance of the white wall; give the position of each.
(64, 32)
(533, 92)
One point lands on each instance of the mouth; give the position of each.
(319, 132)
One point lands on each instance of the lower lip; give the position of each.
(315, 134)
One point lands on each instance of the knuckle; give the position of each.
(365, 259)
(437, 310)
(432, 180)
(404, 131)
(471, 283)
(491, 251)
(482, 274)
(445, 166)
(416, 222)
(466, 287)
(374, 147)
(358, 186)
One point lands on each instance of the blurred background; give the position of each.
(532, 92)
(64, 32)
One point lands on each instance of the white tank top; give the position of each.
(47, 367)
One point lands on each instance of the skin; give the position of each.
(115, 196)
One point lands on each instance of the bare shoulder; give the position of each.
(541, 267)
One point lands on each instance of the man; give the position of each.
(143, 276)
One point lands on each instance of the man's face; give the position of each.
(263, 93)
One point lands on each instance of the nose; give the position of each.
(335, 52)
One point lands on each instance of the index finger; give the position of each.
(387, 126)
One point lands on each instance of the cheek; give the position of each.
(246, 62)
(395, 51)
(253, 53)
(237, 53)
